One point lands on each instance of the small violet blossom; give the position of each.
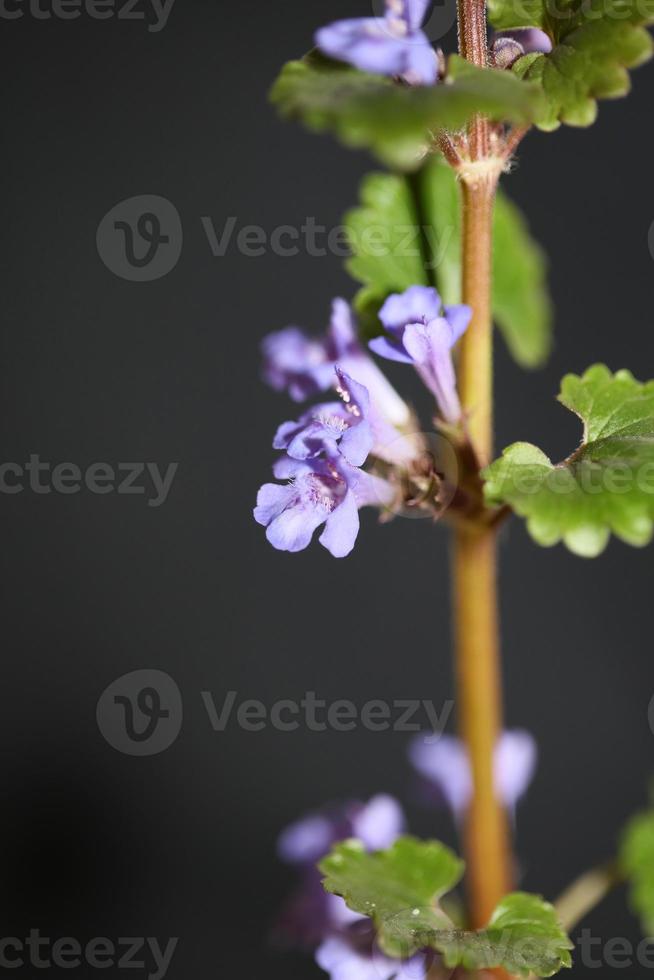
(390, 45)
(377, 824)
(304, 366)
(444, 764)
(321, 491)
(354, 955)
(313, 915)
(333, 428)
(422, 332)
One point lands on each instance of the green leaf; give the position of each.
(521, 302)
(595, 42)
(606, 485)
(398, 888)
(401, 888)
(407, 231)
(397, 122)
(523, 936)
(637, 864)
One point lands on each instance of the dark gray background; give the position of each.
(95, 368)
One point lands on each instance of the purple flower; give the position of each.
(390, 45)
(295, 363)
(332, 428)
(444, 764)
(423, 333)
(377, 824)
(312, 914)
(321, 491)
(354, 955)
(304, 366)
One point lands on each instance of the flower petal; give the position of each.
(459, 318)
(373, 491)
(389, 349)
(286, 468)
(365, 42)
(343, 329)
(421, 65)
(414, 11)
(272, 500)
(516, 757)
(444, 762)
(356, 443)
(342, 960)
(342, 527)
(354, 394)
(293, 529)
(430, 347)
(383, 396)
(417, 304)
(379, 823)
(305, 841)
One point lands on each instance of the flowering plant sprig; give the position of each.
(449, 126)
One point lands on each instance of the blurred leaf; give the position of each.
(407, 232)
(394, 121)
(637, 864)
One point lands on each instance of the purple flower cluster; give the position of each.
(326, 448)
(396, 45)
(343, 941)
(312, 915)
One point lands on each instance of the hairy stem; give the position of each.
(476, 353)
(475, 600)
(473, 46)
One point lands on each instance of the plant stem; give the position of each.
(475, 599)
(486, 840)
(487, 843)
(585, 893)
(476, 352)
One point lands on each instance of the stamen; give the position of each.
(332, 422)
